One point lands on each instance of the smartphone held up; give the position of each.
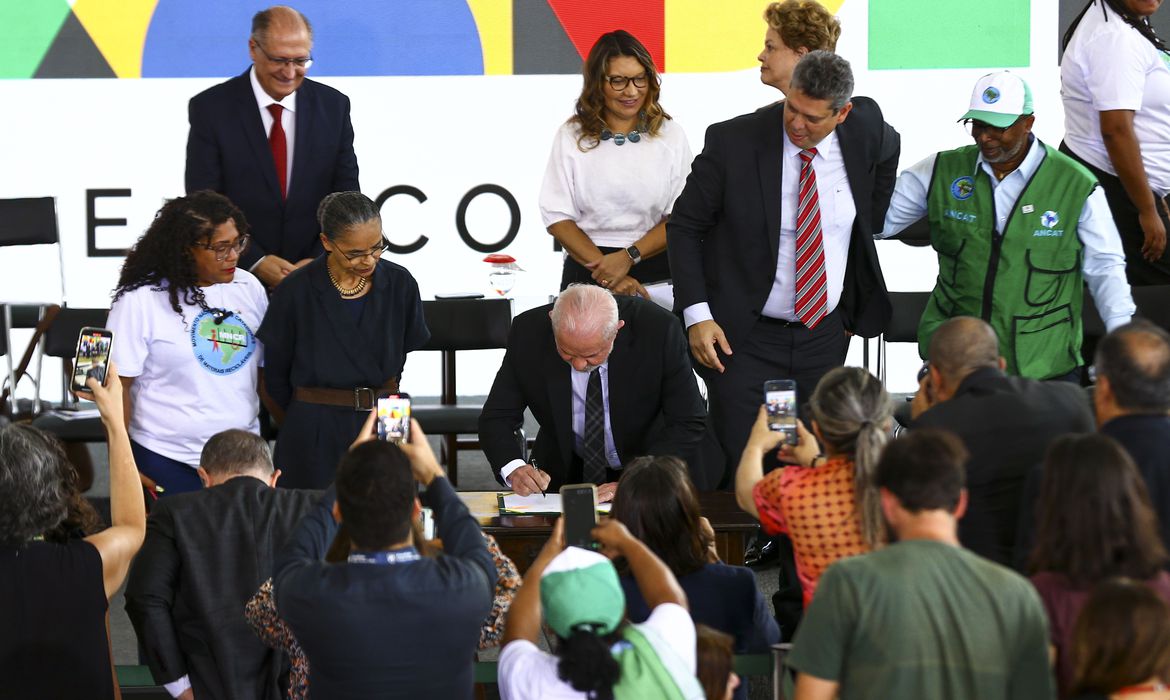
(394, 417)
(92, 358)
(780, 400)
(579, 509)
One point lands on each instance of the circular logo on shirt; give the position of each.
(963, 187)
(991, 95)
(1049, 219)
(224, 347)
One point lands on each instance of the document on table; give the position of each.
(536, 504)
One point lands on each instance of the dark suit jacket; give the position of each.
(227, 151)
(1007, 424)
(204, 556)
(654, 402)
(406, 630)
(723, 236)
(1147, 440)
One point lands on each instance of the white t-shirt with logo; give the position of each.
(1109, 65)
(193, 377)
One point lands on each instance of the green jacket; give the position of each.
(1026, 283)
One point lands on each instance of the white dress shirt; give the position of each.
(580, 384)
(838, 212)
(288, 120)
(1104, 261)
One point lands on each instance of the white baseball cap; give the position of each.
(999, 99)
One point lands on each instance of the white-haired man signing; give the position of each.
(607, 378)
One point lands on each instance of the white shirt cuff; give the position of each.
(257, 263)
(506, 471)
(696, 313)
(177, 688)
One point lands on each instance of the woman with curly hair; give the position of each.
(616, 167)
(795, 27)
(57, 574)
(184, 320)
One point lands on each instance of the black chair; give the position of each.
(460, 324)
(28, 221)
(903, 327)
(1152, 302)
(61, 342)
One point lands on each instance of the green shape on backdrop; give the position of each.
(908, 34)
(27, 29)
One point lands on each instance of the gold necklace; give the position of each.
(346, 293)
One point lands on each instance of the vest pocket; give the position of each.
(1048, 273)
(1042, 341)
(948, 260)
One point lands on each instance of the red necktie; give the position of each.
(279, 149)
(812, 298)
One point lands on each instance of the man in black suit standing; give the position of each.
(387, 623)
(607, 378)
(1005, 422)
(1132, 399)
(275, 143)
(771, 242)
(204, 556)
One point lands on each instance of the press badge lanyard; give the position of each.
(400, 556)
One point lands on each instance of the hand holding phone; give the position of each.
(579, 509)
(780, 400)
(92, 357)
(394, 417)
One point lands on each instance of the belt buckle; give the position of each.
(357, 398)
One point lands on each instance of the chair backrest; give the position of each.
(467, 324)
(28, 221)
(908, 310)
(1153, 304)
(61, 338)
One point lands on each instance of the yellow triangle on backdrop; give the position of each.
(118, 28)
(493, 19)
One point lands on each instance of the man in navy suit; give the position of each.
(275, 144)
(739, 245)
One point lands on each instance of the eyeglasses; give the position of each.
(222, 249)
(375, 252)
(302, 63)
(619, 82)
(974, 126)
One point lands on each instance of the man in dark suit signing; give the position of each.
(607, 378)
(771, 242)
(275, 143)
(204, 556)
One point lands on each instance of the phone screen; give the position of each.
(579, 506)
(780, 398)
(93, 356)
(394, 418)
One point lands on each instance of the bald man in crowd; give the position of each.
(607, 378)
(275, 143)
(1005, 422)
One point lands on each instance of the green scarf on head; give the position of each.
(651, 669)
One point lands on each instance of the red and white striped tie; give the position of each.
(812, 298)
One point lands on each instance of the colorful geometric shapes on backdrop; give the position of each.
(932, 34)
(73, 54)
(118, 29)
(27, 29)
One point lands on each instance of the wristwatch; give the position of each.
(634, 253)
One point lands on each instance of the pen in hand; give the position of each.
(534, 466)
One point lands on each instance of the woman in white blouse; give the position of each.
(1115, 83)
(616, 167)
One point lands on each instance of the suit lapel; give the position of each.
(560, 398)
(253, 128)
(621, 374)
(770, 161)
(305, 102)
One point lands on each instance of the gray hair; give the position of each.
(264, 19)
(823, 75)
(36, 483)
(341, 211)
(853, 411)
(585, 309)
(236, 452)
(962, 345)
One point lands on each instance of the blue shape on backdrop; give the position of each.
(209, 39)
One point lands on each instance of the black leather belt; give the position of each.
(783, 323)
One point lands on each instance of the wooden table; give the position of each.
(522, 536)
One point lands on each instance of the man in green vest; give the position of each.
(1018, 227)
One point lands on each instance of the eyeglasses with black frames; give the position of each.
(619, 82)
(222, 248)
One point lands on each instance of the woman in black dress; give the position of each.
(336, 334)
